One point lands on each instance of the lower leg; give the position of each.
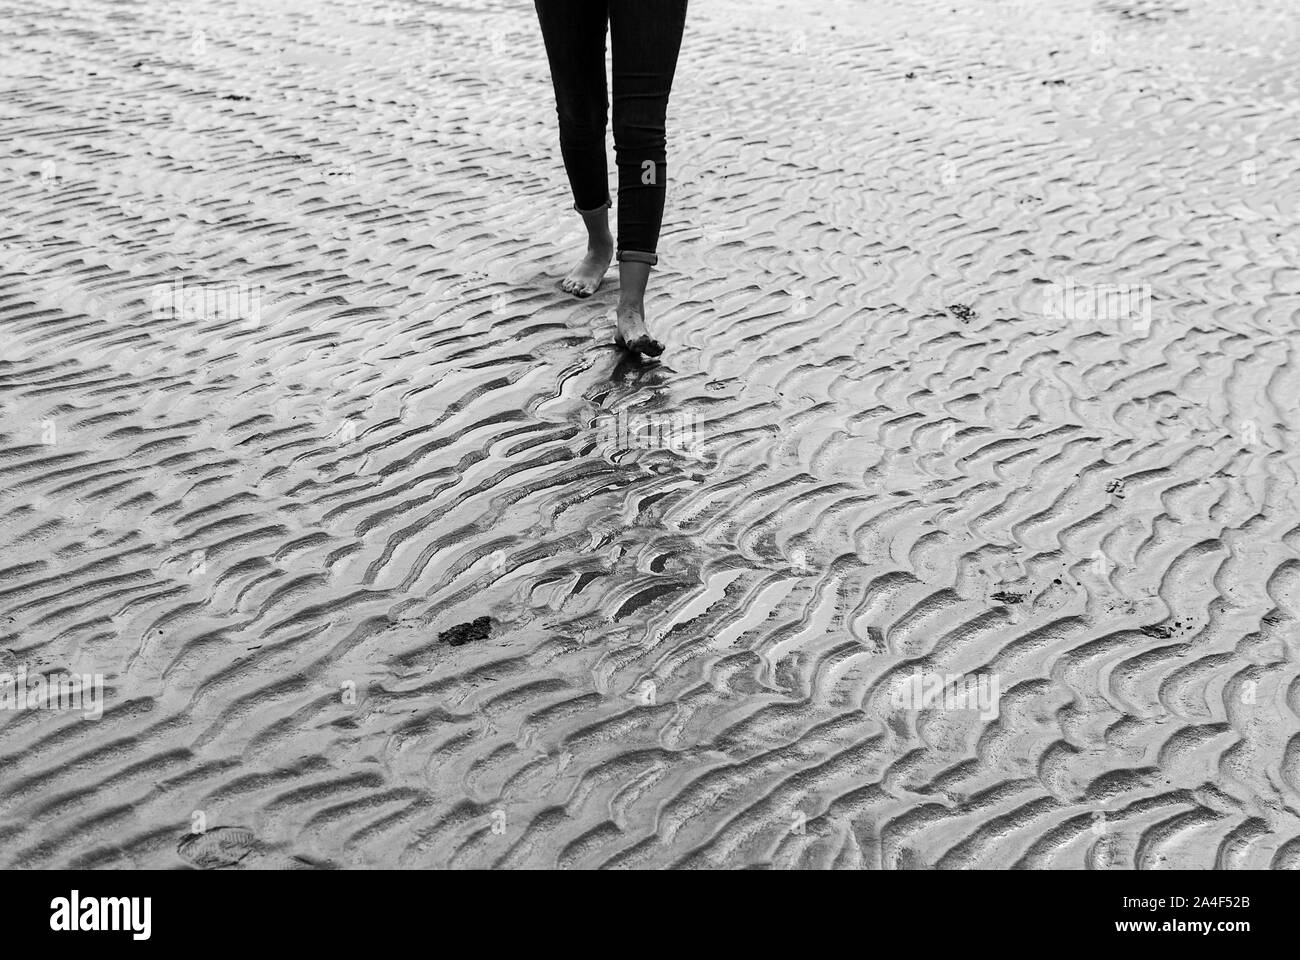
(633, 275)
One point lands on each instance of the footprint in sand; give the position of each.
(219, 848)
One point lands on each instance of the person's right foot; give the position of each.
(584, 279)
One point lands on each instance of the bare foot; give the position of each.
(632, 332)
(584, 279)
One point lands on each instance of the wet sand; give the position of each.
(291, 402)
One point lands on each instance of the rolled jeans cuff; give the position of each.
(604, 206)
(638, 256)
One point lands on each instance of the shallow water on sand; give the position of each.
(981, 331)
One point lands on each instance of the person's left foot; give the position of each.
(632, 333)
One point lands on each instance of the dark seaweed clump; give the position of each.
(463, 633)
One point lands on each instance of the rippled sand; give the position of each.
(291, 403)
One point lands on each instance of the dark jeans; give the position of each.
(645, 35)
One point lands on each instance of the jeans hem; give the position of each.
(638, 256)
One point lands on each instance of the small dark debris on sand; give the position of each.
(962, 312)
(1003, 597)
(1162, 633)
(463, 633)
